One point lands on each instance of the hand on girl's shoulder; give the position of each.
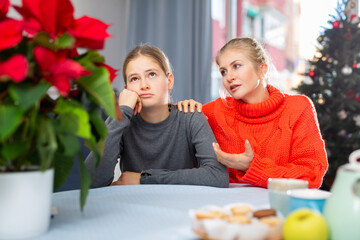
(189, 106)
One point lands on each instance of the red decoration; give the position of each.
(357, 99)
(350, 94)
(355, 65)
(311, 74)
(348, 36)
(336, 24)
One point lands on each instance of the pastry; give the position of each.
(241, 210)
(271, 221)
(242, 219)
(264, 213)
(211, 215)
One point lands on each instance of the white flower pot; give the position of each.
(25, 203)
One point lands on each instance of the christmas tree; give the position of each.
(332, 81)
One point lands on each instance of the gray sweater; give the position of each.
(177, 150)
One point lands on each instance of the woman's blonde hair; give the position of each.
(149, 51)
(254, 51)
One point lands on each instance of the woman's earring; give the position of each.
(169, 107)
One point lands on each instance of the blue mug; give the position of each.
(308, 198)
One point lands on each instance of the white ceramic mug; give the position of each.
(278, 187)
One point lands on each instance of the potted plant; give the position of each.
(50, 98)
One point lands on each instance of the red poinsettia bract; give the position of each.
(10, 33)
(57, 69)
(111, 70)
(51, 16)
(14, 68)
(56, 17)
(4, 8)
(90, 32)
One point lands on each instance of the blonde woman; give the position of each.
(261, 132)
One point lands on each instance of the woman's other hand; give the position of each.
(186, 103)
(240, 161)
(131, 99)
(128, 178)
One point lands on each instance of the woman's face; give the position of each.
(145, 77)
(239, 76)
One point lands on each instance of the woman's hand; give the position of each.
(128, 178)
(131, 99)
(240, 161)
(186, 103)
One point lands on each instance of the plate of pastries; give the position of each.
(236, 221)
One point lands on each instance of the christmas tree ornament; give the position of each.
(355, 65)
(348, 34)
(336, 62)
(311, 74)
(328, 92)
(321, 81)
(342, 133)
(318, 54)
(324, 59)
(336, 24)
(319, 38)
(350, 93)
(342, 115)
(321, 100)
(308, 81)
(346, 70)
(357, 120)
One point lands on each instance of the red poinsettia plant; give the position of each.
(51, 96)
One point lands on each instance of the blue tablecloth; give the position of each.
(141, 211)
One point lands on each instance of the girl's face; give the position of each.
(240, 78)
(145, 77)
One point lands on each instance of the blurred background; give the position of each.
(314, 45)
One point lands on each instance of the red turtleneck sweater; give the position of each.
(283, 132)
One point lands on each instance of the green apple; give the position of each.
(305, 224)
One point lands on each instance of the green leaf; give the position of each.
(46, 143)
(70, 143)
(85, 183)
(99, 124)
(73, 118)
(97, 148)
(27, 95)
(63, 165)
(90, 58)
(99, 88)
(12, 150)
(10, 118)
(43, 39)
(65, 41)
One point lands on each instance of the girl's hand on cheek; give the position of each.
(240, 161)
(131, 99)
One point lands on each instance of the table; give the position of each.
(141, 211)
